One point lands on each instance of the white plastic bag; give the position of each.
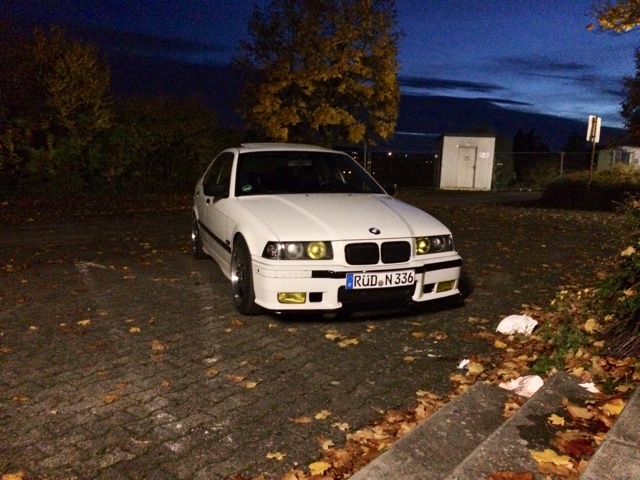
(517, 324)
(525, 386)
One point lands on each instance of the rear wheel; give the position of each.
(242, 279)
(196, 241)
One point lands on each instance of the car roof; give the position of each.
(281, 146)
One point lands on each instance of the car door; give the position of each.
(215, 191)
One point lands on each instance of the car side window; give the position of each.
(218, 177)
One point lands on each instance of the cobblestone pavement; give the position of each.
(122, 357)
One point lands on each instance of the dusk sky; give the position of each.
(534, 55)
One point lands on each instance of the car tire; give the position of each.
(242, 279)
(196, 241)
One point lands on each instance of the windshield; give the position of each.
(260, 173)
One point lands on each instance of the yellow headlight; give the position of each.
(316, 250)
(423, 245)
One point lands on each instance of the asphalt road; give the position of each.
(123, 357)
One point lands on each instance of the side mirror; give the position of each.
(214, 190)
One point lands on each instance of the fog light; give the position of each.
(445, 286)
(292, 297)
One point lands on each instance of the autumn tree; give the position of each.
(55, 100)
(322, 71)
(630, 110)
(618, 292)
(620, 16)
(157, 145)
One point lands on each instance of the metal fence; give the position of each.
(418, 170)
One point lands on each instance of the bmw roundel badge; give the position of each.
(374, 230)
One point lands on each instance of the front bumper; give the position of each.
(325, 288)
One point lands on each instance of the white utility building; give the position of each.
(466, 162)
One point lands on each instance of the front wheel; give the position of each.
(242, 279)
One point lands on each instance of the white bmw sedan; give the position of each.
(299, 227)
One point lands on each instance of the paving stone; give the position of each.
(165, 400)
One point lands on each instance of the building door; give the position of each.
(467, 167)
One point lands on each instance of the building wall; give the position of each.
(624, 155)
(466, 162)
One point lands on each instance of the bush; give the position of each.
(608, 190)
(618, 298)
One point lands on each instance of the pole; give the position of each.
(593, 135)
(593, 155)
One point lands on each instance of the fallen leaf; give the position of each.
(591, 326)
(510, 407)
(303, 420)
(348, 341)
(332, 335)
(112, 397)
(499, 344)
(322, 415)
(276, 456)
(249, 385)
(578, 412)
(418, 334)
(14, 476)
(294, 475)
(134, 330)
(474, 368)
(575, 443)
(409, 359)
(235, 378)
(438, 335)
(508, 475)
(326, 444)
(555, 420)
(318, 468)
(341, 426)
(614, 407)
(549, 456)
(212, 371)
(158, 346)
(84, 323)
(236, 323)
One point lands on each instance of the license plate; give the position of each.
(380, 280)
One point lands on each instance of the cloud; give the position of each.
(414, 82)
(117, 41)
(121, 41)
(533, 64)
(503, 101)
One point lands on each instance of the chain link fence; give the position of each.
(511, 169)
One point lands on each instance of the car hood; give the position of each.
(340, 217)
